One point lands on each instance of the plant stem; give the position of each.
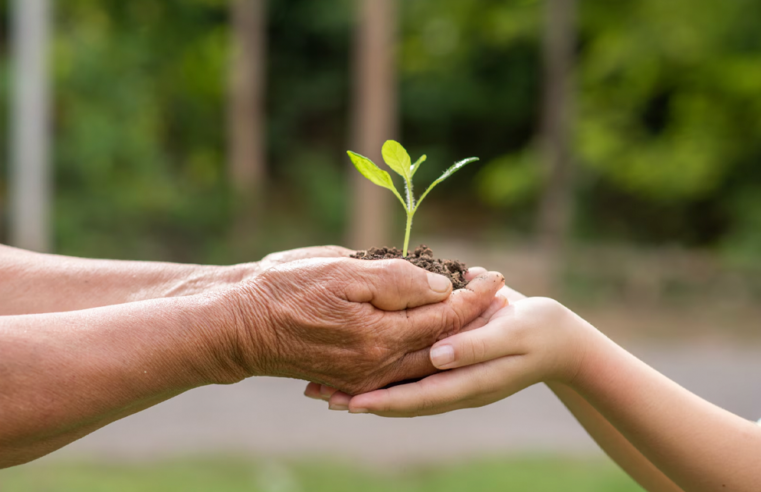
(407, 233)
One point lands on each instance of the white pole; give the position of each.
(29, 189)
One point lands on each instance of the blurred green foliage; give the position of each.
(668, 134)
(238, 475)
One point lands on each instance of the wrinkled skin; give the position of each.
(281, 257)
(351, 324)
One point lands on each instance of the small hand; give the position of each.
(351, 324)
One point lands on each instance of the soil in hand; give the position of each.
(423, 258)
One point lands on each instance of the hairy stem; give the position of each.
(407, 232)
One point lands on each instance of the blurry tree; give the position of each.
(246, 109)
(555, 210)
(670, 125)
(140, 149)
(374, 116)
(30, 180)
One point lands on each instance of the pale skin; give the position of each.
(102, 340)
(665, 437)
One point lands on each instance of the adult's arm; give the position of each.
(33, 283)
(356, 325)
(64, 375)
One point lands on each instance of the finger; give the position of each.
(423, 326)
(474, 272)
(499, 338)
(427, 324)
(339, 401)
(326, 392)
(511, 294)
(413, 366)
(313, 391)
(418, 364)
(497, 303)
(394, 285)
(466, 387)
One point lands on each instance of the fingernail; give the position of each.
(313, 397)
(442, 355)
(438, 283)
(338, 406)
(358, 410)
(504, 300)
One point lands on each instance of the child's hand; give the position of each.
(529, 341)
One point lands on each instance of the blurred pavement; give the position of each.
(269, 417)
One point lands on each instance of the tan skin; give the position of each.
(144, 333)
(34, 283)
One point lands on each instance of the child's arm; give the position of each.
(613, 442)
(607, 437)
(697, 445)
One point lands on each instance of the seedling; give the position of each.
(399, 161)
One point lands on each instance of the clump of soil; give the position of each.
(423, 258)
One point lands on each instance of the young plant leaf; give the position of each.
(416, 166)
(397, 158)
(453, 169)
(376, 175)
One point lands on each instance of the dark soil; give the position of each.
(422, 257)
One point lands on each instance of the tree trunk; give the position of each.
(555, 212)
(246, 138)
(374, 117)
(29, 183)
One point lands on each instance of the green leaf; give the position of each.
(416, 166)
(397, 158)
(453, 169)
(376, 175)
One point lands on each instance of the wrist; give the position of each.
(588, 344)
(188, 280)
(566, 339)
(247, 343)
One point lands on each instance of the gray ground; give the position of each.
(269, 417)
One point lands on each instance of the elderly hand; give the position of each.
(352, 324)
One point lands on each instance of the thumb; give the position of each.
(394, 285)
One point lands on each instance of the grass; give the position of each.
(239, 475)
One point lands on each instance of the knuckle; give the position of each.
(478, 348)
(338, 250)
(375, 354)
(398, 270)
(545, 304)
(450, 321)
(426, 404)
(481, 382)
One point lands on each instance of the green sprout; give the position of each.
(399, 161)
